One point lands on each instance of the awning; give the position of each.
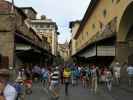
(89, 53)
(23, 47)
(99, 51)
(105, 50)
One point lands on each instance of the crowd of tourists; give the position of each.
(52, 77)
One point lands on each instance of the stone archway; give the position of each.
(125, 31)
(129, 40)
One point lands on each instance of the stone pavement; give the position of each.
(126, 87)
(119, 93)
(80, 93)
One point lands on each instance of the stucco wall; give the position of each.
(92, 25)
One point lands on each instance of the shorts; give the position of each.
(54, 85)
(67, 80)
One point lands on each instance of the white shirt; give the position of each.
(130, 70)
(10, 92)
(117, 71)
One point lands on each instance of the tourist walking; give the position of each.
(45, 77)
(108, 79)
(117, 71)
(67, 76)
(130, 74)
(55, 81)
(36, 72)
(94, 78)
(83, 74)
(88, 77)
(73, 76)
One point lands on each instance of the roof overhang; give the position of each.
(87, 15)
(23, 47)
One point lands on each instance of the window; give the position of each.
(104, 12)
(50, 30)
(41, 26)
(47, 31)
(93, 26)
(38, 30)
(45, 38)
(51, 26)
(47, 26)
(112, 1)
(101, 24)
(117, 1)
(26, 11)
(36, 26)
(41, 33)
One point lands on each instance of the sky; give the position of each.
(60, 11)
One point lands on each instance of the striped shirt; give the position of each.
(55, 75)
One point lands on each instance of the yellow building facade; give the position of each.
(63, 50)
(102, 16)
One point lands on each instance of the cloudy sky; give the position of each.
(61, 11)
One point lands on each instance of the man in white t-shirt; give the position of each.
(117, 71)
(7, 91)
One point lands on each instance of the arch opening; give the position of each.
(124, 50)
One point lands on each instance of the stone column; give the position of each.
(122, 51)
(7, 46)
(7, 31)
(122, 57)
